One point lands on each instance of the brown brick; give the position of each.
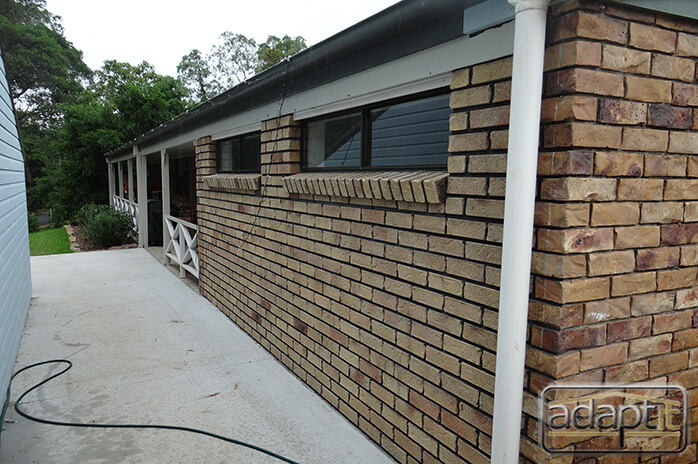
(575, 240)
(477, 141)
(677, 278)
(674, 362)
(626, 60)
(487, 164)
(622, 112)
(592, 26)
(657, 258)
(577, 52)
(683, 142)
(685, 95)
(584, 81)
(555, 315)
(578, 189)
(576, 107)
(687, 45)
(679, 234)
(672, 322)
(645, 139)
(489, 117)
(582, 135)
(670, 116)
(559, 341)
(561, 266)
(566, 163)
(685, 339)
(650, 346)
(630, 284)
(617, 164)
(627, 373)
(606, 310)
(640, 189)
(691, 212)
(473, 96)
(572, 291)
(652, 303)
(609, 214)
(562, 214)
(648, 89)
(493, 71)
(687, 298)
(629, 329)
(662, 213)
(554, 365)
(689, 255)
(502, 92)
(458, 122)
(652, 38)
(673, 67)
(665, 166)
(615, 262)
(637, 237)
(603, 356)
(460, 78)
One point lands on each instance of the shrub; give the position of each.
(33, 222)
(103, 225)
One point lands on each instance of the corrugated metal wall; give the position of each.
(15, 279)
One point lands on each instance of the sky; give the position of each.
(162, 31)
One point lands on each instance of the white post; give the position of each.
(522, 161)
(129, 167)
(112, 187)
(121, 179)
(165, 163)
(142, 170)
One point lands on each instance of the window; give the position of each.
(403, 133)
(240, 154)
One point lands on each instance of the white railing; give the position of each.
(129, 207)
(182, 246)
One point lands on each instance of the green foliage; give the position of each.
(49, 242)
(33, 222)
(195, 74)
(103, 225)
(276, 49)
(232, 60)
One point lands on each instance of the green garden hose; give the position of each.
(120, 426)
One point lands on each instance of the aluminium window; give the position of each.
(404, 133)
(240, 153)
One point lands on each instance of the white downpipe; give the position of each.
(522, 160)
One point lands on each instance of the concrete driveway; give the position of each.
(147, 349)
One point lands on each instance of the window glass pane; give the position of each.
(251, 145)
(225, 163)
(334, 142)
(411, 134)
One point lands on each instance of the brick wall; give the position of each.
(615, 287)
(388, 308)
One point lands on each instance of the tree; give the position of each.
(43, 70)
(233, 60)
(123, 102)
(275, 49)
(195, 74)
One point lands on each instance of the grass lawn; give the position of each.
(49, 242)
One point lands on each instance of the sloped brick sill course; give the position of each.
(409, 186)
(236, 182)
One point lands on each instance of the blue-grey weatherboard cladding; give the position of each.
(15, 278)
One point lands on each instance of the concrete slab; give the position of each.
(147, 349)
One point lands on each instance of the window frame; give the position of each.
(239, 138)
(366, 135)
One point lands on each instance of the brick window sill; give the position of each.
(233, 182)
(409, 186)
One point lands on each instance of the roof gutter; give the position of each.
(522, 162)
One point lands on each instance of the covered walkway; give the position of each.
(147, 349)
